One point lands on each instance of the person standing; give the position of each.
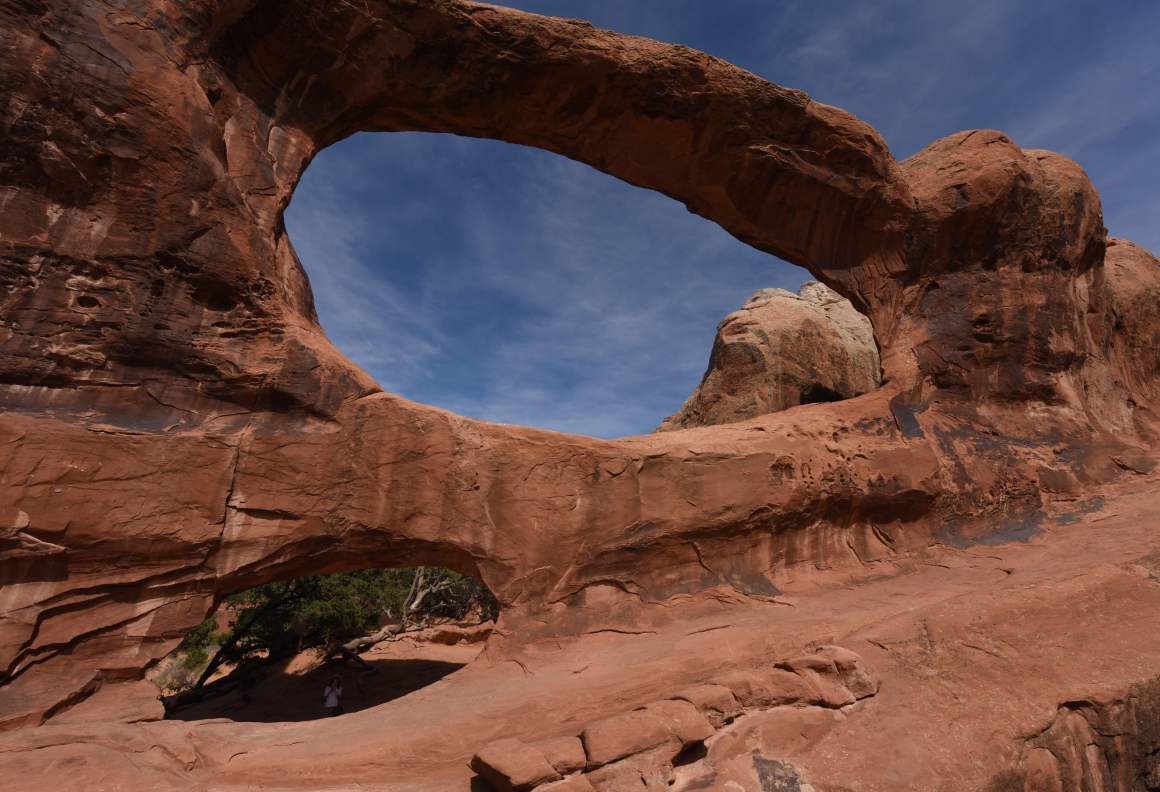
(332, 696)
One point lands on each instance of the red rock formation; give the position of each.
(177, 428)
(641, 748)
(781, 350)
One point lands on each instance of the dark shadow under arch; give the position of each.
(280, 697)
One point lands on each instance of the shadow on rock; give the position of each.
(275, 695)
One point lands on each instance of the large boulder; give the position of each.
(780, 350)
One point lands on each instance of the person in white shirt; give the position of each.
(332, 696)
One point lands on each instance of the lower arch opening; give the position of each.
(326, 645)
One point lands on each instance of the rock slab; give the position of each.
(780, 350)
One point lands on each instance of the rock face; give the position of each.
(176, 427)
(781, 350)
(641, 748)
(1110, 744)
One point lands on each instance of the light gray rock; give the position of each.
(780, 350)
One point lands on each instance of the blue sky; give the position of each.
(514, 285)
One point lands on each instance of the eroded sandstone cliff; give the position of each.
(176, 427)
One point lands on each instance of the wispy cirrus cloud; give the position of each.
(369, 316)
(515, 285)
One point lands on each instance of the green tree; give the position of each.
(278, 620)
(286, 617)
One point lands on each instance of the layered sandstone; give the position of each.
(780, 350)
(176, 426)
(643, 748)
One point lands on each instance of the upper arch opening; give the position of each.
(510, 284)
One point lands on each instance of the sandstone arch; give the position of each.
(176, 426)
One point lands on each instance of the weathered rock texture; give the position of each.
(176, 427)
(642, 748)
(1112, 744)
(781, 350)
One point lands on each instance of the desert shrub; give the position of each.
(175, 676)
(194, 649)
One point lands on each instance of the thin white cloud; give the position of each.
(1095, 104)
(627, 299)
(370, 319)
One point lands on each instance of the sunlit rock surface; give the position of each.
(780, 350)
